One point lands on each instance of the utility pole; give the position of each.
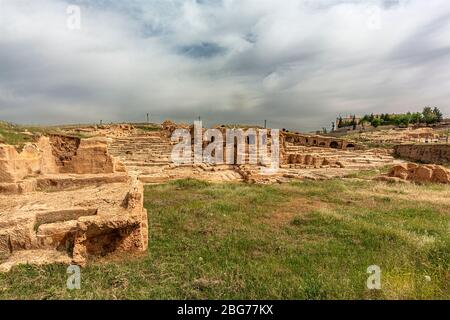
(265, 124)
(148, 118)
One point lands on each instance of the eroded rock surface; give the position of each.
(418, 173)
(65, 200)
(433, 154)
(95, 220)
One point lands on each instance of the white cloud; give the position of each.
(296, 63)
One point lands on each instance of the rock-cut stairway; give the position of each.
(144, 153)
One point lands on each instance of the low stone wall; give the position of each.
(432, 153)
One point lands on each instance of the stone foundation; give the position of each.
(66, 200)
(89, 222)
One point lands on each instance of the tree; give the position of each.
(438, 114)
(389, 119)
(364, 120)
(428, 115)
(340, 122)
(404, 120)
(376, 123)
(416, 117)
(354, 124)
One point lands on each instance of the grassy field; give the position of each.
(18, 135)
(304, 240)
(12, 134)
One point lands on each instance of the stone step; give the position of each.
(154, 179)
(56, 236)
(151, 152)
(141, 138)
(131, 155)
(146, 142)
(65, 181)
(142, 148)
(145, 164)
(35, 257)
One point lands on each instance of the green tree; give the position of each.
(376, 123)
(404, 120)
(416, 117)
(340, 124)
(438, 114)
(354, 123)
(389, 119)
(364, 120)
(428, 115)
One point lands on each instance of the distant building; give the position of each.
(342, 122)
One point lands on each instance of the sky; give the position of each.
(296, 63)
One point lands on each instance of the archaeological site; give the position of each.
(67, 199)
(197, 154)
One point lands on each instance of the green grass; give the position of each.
(13, 135)
(18, 135)
(149, 128)
(369, 173)
(304, 240)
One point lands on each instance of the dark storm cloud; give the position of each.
(202, 50)
(295, 63)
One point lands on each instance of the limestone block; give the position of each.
(47, 159)
(441, 175)
(292, 159)
(5, 250)
(56, 235)
(34, 159)
(92, 157)
(423, 174)
(300, 159)
(400, 171)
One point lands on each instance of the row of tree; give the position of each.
(427, 116)
(347, 123)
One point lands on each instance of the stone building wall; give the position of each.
(319, 141)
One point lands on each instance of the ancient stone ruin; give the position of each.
(66, 200)
(148, 155)
(426, 153)
(417, 173)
